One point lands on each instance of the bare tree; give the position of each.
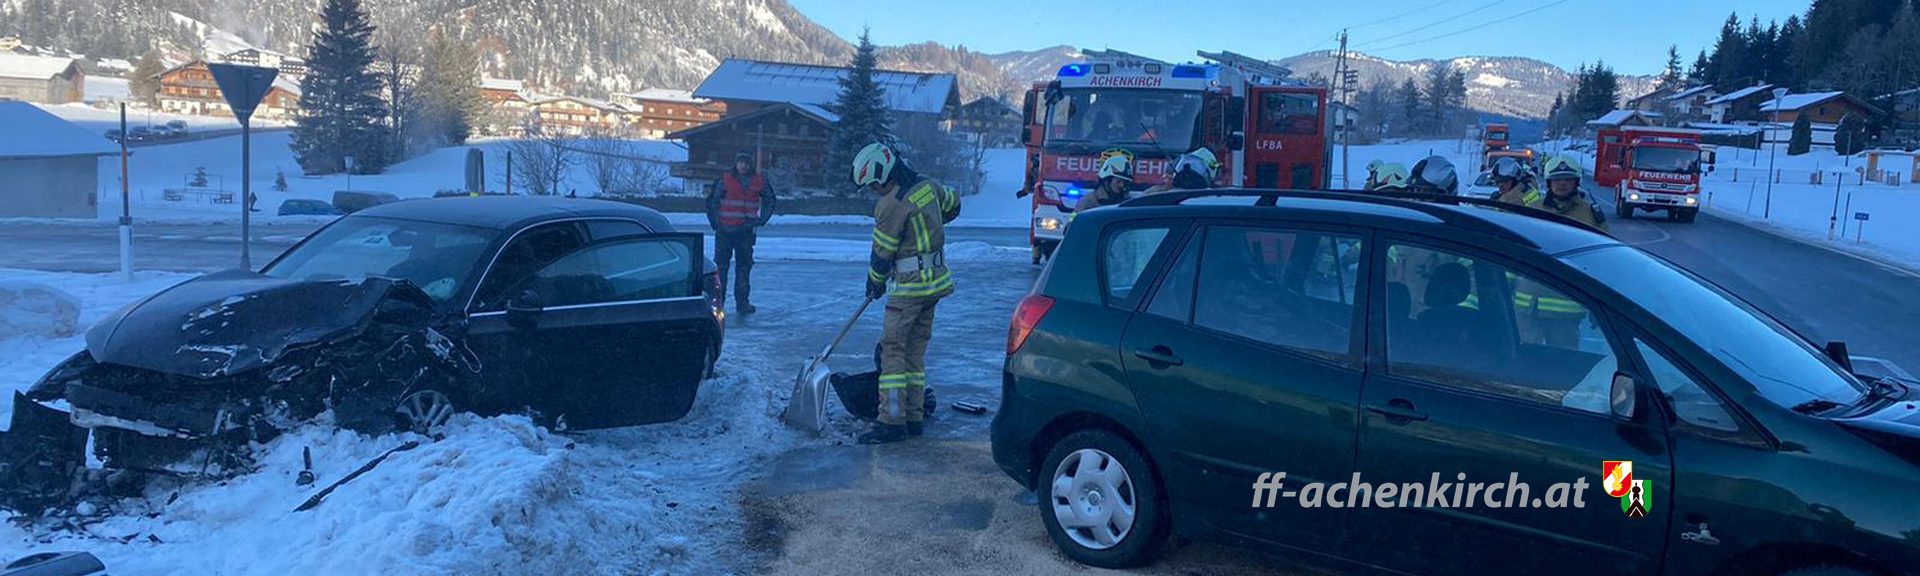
(607, 159)
(643, 177)
(938, 154)
(542, 158)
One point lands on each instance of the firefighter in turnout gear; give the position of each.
(737, 203)
(909, 236)
(1116, 179)
(1564, 196)
(1514, 182)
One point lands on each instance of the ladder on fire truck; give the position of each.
(1258, 71)
(1119, 55)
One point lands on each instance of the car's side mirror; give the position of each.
(522, 308)
(1622, 398)
(1237, 141)
(1838, 352)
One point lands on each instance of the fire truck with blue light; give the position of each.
(1267, 130)
(1651, 168)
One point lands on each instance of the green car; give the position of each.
(1438, 386)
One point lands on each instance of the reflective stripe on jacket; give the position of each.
(907, 225)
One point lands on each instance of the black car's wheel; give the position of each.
(1100, 501)
(425, 411)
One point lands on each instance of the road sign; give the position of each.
(243, 86)
(1861, 216)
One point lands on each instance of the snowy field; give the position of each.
(99, 120)
(154, 169)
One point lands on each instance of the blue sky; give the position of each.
(1630, 35)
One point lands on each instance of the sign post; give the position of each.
(126, 210)
(244, 87)
(1860, 229)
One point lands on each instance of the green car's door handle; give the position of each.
(1398, 411)
(1159, 356)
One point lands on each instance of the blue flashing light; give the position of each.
(1073, 70)
(1074, 192)
(1184, 71)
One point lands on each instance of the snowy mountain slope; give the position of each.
(1509, 86)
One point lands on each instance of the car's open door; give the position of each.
(619, 331)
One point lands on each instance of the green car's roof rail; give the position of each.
(1425, 203)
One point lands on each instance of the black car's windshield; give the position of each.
(1132, 118)
(1666, 160)
(1784, 367)
(439, 258)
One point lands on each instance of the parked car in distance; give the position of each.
(1182, 347)
(582, 313)
(178, 126)
(307, 207)
(114, 135)
(139, 134)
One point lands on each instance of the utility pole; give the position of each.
(1340, 91)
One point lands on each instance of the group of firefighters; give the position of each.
(1513, 180)
(908, 266)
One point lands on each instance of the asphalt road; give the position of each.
(1821, 293)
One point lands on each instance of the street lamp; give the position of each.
(1766, 213)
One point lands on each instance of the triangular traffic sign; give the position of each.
(243, 86)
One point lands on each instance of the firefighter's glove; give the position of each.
(876, 289)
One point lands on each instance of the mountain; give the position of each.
(1507, 86)
(588, 47)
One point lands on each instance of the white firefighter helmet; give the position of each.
(1201, 161)
(873, 164)
(1390, 176)
(1116, 164)
(1562, 167)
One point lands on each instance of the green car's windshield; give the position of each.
(1784, 367)
(438, 258)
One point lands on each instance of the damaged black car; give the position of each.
(581, 313)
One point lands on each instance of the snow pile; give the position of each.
(996, 206)
(497, 496)
(31, 309)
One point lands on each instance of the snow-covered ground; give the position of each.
(1738, 189)
(154, 169)
(99, 120)
(497, 496)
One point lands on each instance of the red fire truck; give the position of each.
(1267, 131)
(1650, 168)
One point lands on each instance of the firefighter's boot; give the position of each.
(884, 434)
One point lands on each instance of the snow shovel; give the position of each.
(807, 408)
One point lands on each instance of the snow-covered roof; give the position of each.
(1798, 101)
(1689, 93)
(757, 81)
(502, 84)
(32, 67)
(820, 112)
(1618, 117)
(288, 83)
(35, 133)
(1740, 94)
(815, 111)
(667, 95)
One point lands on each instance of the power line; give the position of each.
(1431, 25)
(1472, 28)
(1400, 15)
